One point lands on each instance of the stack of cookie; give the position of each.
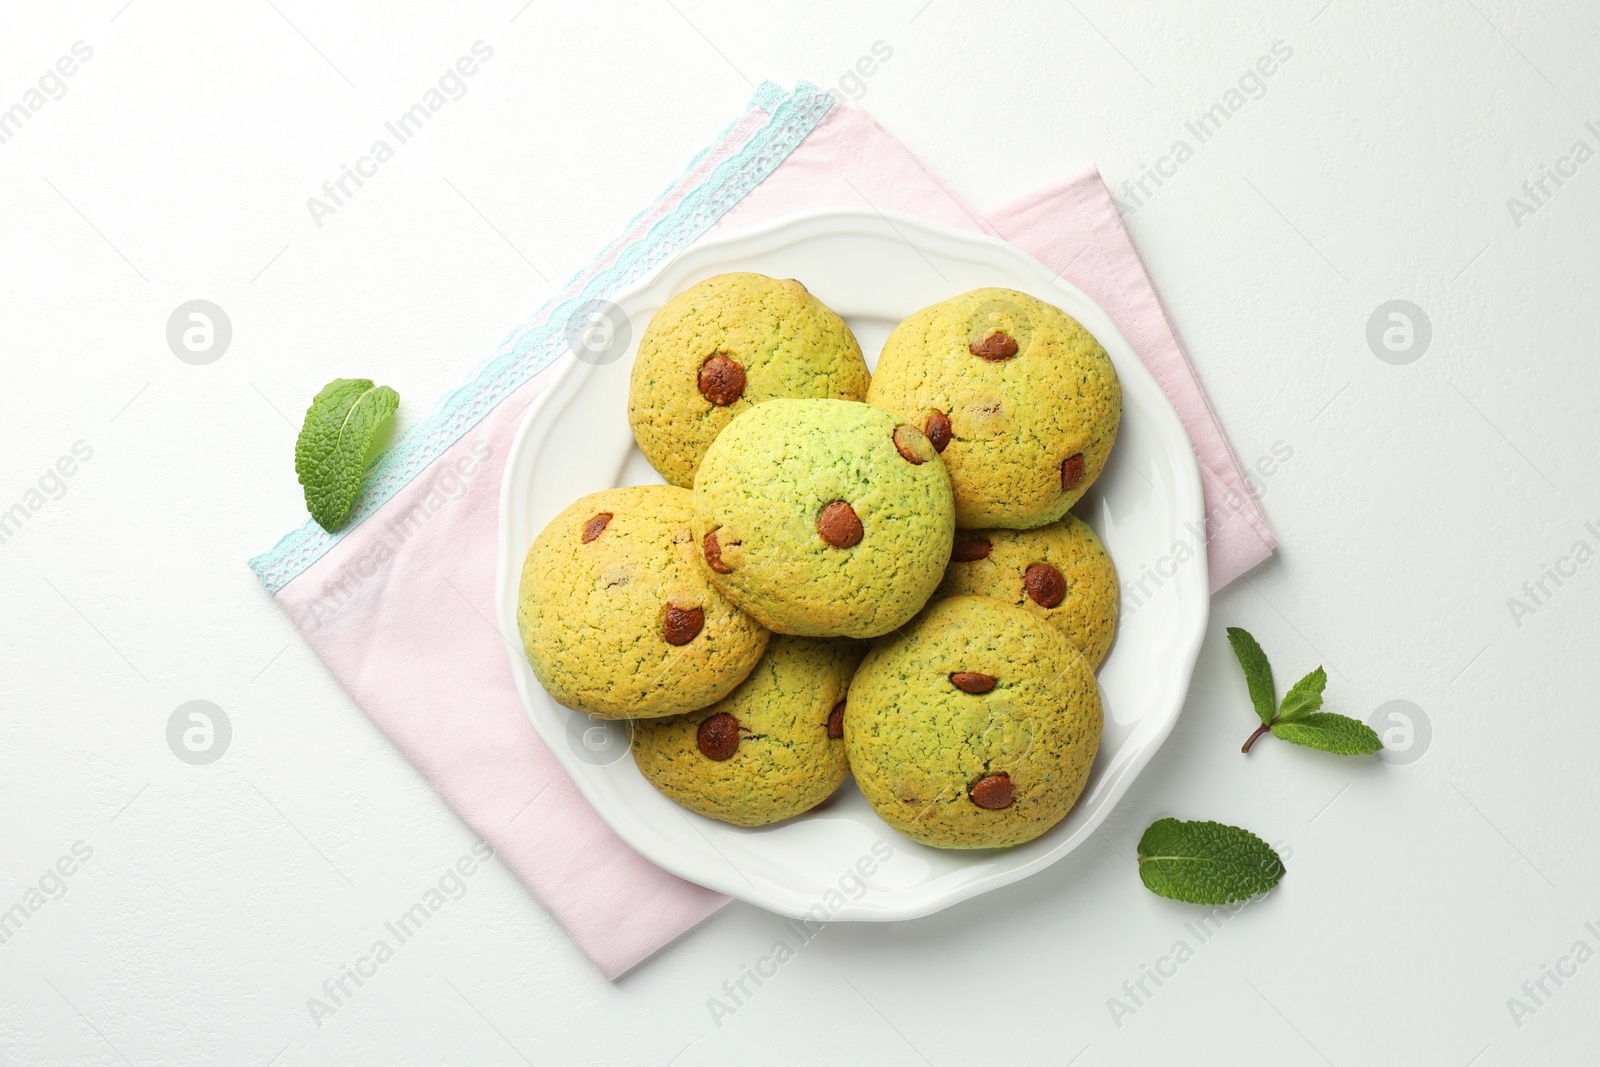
(847, 573)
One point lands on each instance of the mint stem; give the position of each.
(1265, 727)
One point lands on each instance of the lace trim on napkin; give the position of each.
(541, 340)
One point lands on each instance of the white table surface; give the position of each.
(1418, 500)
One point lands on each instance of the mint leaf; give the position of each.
(1206, 862)
(330, 455)
(1304, 697)
(1257, 672)
(1330, 733)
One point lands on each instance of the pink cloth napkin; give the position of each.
(401, 607)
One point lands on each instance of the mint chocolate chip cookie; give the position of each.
(723, 346)
(770, 749)
(1024, 399)
(974, 727)
(617, 617)
(824, 518)
(1060, 572)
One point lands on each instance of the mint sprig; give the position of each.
(1297, 720)
(1206, 862)
(330, 455)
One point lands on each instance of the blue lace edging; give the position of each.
(540, 340)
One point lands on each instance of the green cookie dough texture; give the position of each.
(594, 614)
(1087, 613)
(768, 479)
(919, 745)
(1015, 420)
(786, 342)
(785, 762)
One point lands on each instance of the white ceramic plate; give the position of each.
(1147, 507)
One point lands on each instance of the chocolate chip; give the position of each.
(683, 624)
(970, 550)
(996, 348)
(718, 736)
(595, 526)
(721, 380)
(1045, 585)
(1072, 471)
(713, 551)
(993, 791)
(839, 525)
(937, 427)
(906, 440)
(836, 720)
(968, 682)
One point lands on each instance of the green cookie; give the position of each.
(777, 757)
(723, 346)
(1026, 398)
(1060, 572)
(824, 518)
(976, 727)
(617, 616)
